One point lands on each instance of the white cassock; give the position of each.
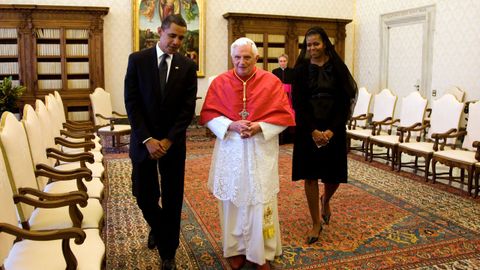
(244, 177)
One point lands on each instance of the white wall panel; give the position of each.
(456, 43)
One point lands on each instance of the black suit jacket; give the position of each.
(288, 79)
(149, 115)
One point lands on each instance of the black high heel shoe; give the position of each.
(313, 239)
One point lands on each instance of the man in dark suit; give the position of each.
(283, 72)
(160, 94)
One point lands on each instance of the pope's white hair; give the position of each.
(244, 41)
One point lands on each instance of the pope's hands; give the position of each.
(157, 148)
(245, 128)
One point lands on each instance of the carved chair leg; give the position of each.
(450, 175)
(370, 148)
(394, 157)
(477, 182)
(365, 148)
(434, 171)
(415, 164)
(399, 160)
(427, 167)
(470, 180)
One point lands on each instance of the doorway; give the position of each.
(406, 52)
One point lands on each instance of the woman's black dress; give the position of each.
(319, 103)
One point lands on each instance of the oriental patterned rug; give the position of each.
(380, 220)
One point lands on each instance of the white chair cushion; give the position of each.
(58, 218)
(94, 188)
(423, 147)
(47, 255)
(360, 133)
(385, 139)
(96, 168)
(457, 155)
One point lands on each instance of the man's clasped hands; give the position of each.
(245, 128)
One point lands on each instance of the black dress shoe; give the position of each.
(169, 264)
(151, 240)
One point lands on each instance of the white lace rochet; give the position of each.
(244, 171)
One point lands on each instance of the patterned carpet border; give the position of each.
(380, 220)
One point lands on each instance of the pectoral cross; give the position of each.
(244, 114)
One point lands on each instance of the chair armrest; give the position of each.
(78, 175)
(72, 157)
(72, 200)
(67, 233)
(51, 196)
(407, 131)
(60, 152)
(90, 128)
(75, 215)
(119, 114)
(353, 120)
(64, 234)
(63, 142)
(477, 153)
(77, 135)
(377, 125)
(451, 133)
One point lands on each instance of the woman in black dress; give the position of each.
(324, 94)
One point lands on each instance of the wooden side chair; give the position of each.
(361, 112)
(463, 157)
(445, 120)
(56, 160)
(80, 212)
(412, 114)
(53, 140)
(70, 124)
(57, 126)
(383, 109)
(106, 120)
(68, 248)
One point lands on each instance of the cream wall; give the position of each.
(118, 32)
(456, 43)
